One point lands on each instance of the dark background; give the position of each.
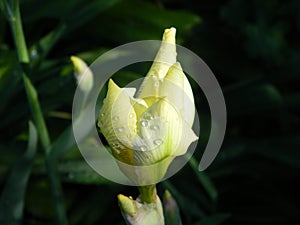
(251, 46)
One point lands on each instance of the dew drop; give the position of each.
(144, 123)
(138, 205)
(143, 148)
(116, 145)
(115, 118)
(154, 127)
(156, 83)
(131, 115)
(121, 129)
(102, 114)
(158, 142)
(148, 116)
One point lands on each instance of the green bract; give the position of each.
(148, 130)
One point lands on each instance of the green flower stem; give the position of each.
(38, 118)
(148, 193)
(12, 12)
(45, 141)
(14, 18)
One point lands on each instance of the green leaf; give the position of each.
(188, 210)
(206, 182)
(82, 10)
(78, 171)
(214, 219)
(37, 113)
(140, 20)
(9, 71)
(284, 149)
(171, 210)
(256, 98)
(63, 143)
(12, 198)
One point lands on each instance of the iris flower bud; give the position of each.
(148, 130)
(83, 74)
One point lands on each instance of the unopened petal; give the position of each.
(117, 121)
(166, 55)
(139, 105)
(164, 59)
(159, 129)
(83, 74)
(178, 91)
(188, 136)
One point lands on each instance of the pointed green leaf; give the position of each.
(171, 210)
(214, 219)
(204, 180)
(12, 198)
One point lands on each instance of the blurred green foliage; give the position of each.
(251, 46)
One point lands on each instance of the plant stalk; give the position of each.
(148, 193)
(15, 22)
(12, 12)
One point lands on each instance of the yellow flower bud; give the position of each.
(135, 212)
(149, 130)
(83, 74)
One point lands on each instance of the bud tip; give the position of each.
(127, 205)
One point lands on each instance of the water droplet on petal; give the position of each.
(154, 127)
(143, 148)
(158, 142)
(115, 118)
(121, 129)
(131, 115)
(102, 114)
(144, 123)
(138, 205)
(148, 116)
(156, 83)
(116, 145)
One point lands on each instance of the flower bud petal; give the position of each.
(165, 58)
(136, 212)
(117, 121)
(83, 74)
(166, 55)
(139, 105)
(127, 205)
(160, 142)
(188, 136)
(177, 89)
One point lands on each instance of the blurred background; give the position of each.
(251, 46)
